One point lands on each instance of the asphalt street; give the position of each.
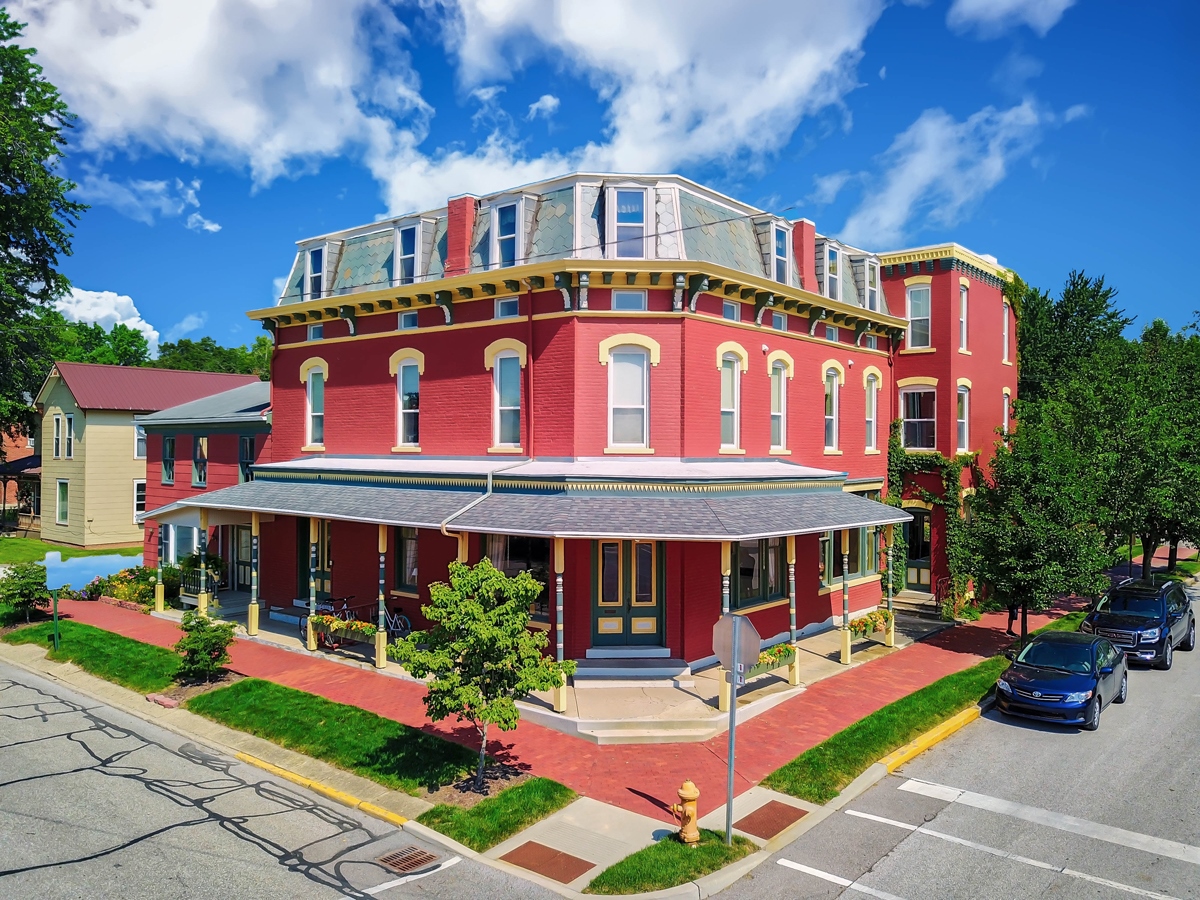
(1013, 809)
(95, 803)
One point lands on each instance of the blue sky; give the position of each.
(1052, 134)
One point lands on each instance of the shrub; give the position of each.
(23, 588)
(204, 647)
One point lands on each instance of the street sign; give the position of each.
(728, 630)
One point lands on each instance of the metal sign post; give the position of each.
(736, 643)
(54, 594)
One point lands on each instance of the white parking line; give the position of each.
(440, 867)
(837, 879)
(1004, 854)
(1107, 833)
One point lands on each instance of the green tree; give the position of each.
(90, 343)
(206, 355)
(36, 219)
(204, 647)
(23, 587)
(480, 652)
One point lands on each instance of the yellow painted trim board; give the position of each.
(332, 793)
(914, 748)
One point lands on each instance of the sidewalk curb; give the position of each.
(914, 748)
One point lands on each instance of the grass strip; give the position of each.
(1069, 622)
(498, 818)
(669, 863)
(388, 752)
(819, 774)
(114, 657)
(26, 549)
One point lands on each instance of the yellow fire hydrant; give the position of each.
(685, 812)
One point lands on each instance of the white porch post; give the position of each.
(252, 610)
(381, 634)
(560, 692)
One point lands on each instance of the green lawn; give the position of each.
(1069, 622)
(819, 774)
(393, 754)
(124, 661)
(25, 549)
(669, 863)
(1187, 567)
(498, 818)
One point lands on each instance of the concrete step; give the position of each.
(648, 735)
(599, 683)
(628, 653)
(652, 669)
(921, 605)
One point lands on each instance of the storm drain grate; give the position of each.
(407, 859)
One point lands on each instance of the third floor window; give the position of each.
(506, 235)
(918, 316)
(631, 224)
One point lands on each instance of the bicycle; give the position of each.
(397, 625)
(327, 608)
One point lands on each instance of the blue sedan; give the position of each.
(1064, 677)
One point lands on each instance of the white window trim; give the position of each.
(69, 436)
(306, 293)
(829, 248)
(1006, 408)
(962, 429)
(496, 442)
(396, 254)
(645, 442)
(308, 410)
(908, 292)
(1005, 327)
(400, 411)
(778, 369)
(493, 211)
(736, 409)
(779, 321)
(963, 306)
(400, 326)
(136, 482)
(726, 305)
(57, 437)
(873, 267)
(515, 315)
(871, 422)
(58, 503)
(836, 414)
(832, 334)
(314, 326)
(645, 302)
(918, 389)
(787, 253)
(136, 429)
(610, 220)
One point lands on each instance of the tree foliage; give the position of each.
(204, 647)
(23, 587)
(206, 355)
(88, 342)
(479, 652)
(36, 218)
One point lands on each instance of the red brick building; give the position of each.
(664, 402)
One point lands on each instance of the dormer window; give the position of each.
(506, 235)
(831, 275)
(406, 265)
(631, 224)
(781, 255)
(316, 265)
(872, 287)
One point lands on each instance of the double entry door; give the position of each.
(627, 593)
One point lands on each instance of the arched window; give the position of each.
(1005, 334)
(778, 406)
(1007, 408)
(628, 397)
(831, 409)
(964, 415)
(314, 373)
(507, 396)
(408, 397)
(871, 409)
(730, 390)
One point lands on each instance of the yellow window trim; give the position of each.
(834, 364)
(313, 448)
(965, 382)
(733, 348)
(779, 451)
(916, 504)
(731, 451)
(406, 448)
(829, 451)
(918, 279)
(872, 370)
(1007, 392)
(643, 451)
(864, 485)
(964, 282)
(908, 351)
(313, 363)
(495, 348)
(923, 380)
(781, 356)
(403, 355)
(505, 450)
(632, 340)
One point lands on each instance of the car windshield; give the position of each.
(1131, 605)
(1062, 656)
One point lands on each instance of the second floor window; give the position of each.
(962, 317)
(831, 274)
(918, 316)
(316, 408)
(139, 442)
(406, 270)
(831, 409)
(781, 256)
(408, 386)
(628, 409)
(69, 433)
(506, 235)
(871, 401)
(199, 461)
(778, 406)
(508, 400)
(57, 437)
(245, 457)
(920, 419)
(139, 498)
(1006, 410)
(168, 460)
(964, 419)
(1005, 327)
(631, 224)
(316, 264)
(730, 368)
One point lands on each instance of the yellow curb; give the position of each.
(332, 793)
(897, 758)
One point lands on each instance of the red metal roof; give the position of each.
(141, 389)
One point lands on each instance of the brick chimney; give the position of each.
(804, 251)
(460, 228)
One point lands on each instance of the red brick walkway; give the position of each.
(642, 778)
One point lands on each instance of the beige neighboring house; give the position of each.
(94, 455)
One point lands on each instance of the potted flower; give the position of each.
(772, 658)
(870, 623)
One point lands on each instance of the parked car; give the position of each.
(1147, 620)
(1064, 676)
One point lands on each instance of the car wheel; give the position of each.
(1168, 657)
(1124, 693)
(1093, 715)
(1189, 642)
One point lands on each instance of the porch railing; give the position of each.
(189, 582)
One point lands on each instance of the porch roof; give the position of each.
(630, 514)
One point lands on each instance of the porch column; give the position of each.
(202, 546)
(252, 610)
(160, 592)
(845, 596)
(890, 638)
(462, 547)
(726, 569)
(314, 530)
(794, 667)
(381, 634)
(560, 692)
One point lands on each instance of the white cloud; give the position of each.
(1015, 72)
(544, 106)
(197, 222)
(1078, 111)
(185, 326)
(989, 18)
(939, 167)
(106, 308)
(827, 187)
(882, 73)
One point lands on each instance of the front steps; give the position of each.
(916, 603)
(629, 671)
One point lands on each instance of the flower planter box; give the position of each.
(342, 632)
(763, 667)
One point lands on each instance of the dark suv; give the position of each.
(1147, 620)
